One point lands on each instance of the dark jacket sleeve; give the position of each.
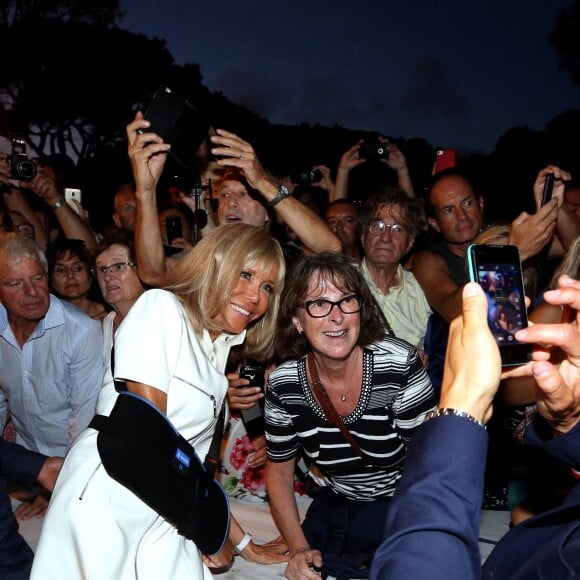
(565, 448)
(19, 464)
(548, 544)
(432, 528)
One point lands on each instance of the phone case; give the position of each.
(445, 159)
(71, 195)
(179, 123)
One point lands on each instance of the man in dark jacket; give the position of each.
(26, 468)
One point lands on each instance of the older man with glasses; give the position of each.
(390, 222)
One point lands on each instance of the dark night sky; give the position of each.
(457, 73)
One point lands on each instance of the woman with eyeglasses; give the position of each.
(114, 268)
(70, 275)
(348, 398)
(116, 273)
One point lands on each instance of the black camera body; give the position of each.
(373, 150)
(21, 167)
(306, 177)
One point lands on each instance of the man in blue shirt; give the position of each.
(51, 361)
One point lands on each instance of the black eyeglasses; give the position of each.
(321, 307)
(117, 268)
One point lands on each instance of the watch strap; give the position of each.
(283, 193)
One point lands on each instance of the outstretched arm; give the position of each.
(433, 521)
(304, 222)
(148, 154)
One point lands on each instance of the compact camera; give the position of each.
(373, 150)
(21, 167)
(306, 177)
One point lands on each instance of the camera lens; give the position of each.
(23, 169)
(315, 176)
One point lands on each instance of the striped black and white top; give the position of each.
(395, 396)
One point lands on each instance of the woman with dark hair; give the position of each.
(349, 398)
(69, 273)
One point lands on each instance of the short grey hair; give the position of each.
(15, 248)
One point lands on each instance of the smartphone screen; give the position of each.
(173, 228)
(497, 269)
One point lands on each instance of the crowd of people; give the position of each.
(381, 373)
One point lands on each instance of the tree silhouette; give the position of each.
(565, 37)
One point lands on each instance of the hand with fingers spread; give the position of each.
(557, 386)
(235, 152)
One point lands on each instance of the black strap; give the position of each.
(212, 459)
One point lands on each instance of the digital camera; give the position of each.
(306, 177)
(21, 167)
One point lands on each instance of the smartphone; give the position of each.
(444, 159)
(497, 269)
(71, 195)
(548, 188)
(173, 228)
(178, 122)
(370, 150)
(253, 417)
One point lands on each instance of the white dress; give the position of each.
(96, 528)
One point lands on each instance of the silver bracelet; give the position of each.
(456, 413)
(243, 543)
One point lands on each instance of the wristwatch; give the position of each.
(283, 193)
(57, 204)
(456, 412)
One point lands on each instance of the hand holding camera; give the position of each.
(17, 166)
(374, 150)
(21, 167)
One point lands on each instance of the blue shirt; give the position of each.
(50, 385)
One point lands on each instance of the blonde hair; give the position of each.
(569, 265)
(493, 234)
(206, 277)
